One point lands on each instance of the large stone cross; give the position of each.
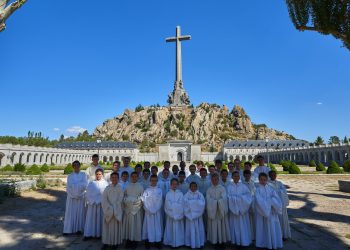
(179, 96)
(178, 38)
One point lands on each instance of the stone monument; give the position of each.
(179, 97)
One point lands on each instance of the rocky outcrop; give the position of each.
(208, 124)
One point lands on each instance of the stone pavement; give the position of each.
(319, 215)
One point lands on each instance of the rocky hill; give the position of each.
(207, 124)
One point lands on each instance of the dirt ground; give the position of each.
(319, 217)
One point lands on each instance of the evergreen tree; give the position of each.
(328, 17)
(346, 140)
(319, 141)
(334, 140)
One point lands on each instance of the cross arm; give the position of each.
(181, 38)
(170, 39)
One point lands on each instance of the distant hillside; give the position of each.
(207, 124)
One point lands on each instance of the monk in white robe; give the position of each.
(166, 166)
(91, 170)
(126, 167)
(133, 212)
(218, 230)
(164, 181)
(193, 177)
(267, 208)
(261, 168)
(145, 179)
(112, 233)
(224, 181)
(204, 182)
(74, 218)
(152, 198)
(239, 201)
(194, 205)
(124, 183)
(115, 169)
(93, 222)
(282, 193)
(249, 183)
(174, 210)
(183, 185)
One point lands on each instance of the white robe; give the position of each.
(145, 183)
(164, 184)
(258, 170)
(267, 208)
(284, 220)
(203, 185)
(112, 233)
(126, 169)
(251, 186)
(174, 210)
(193, 178)
(218, 230)
(133, 213)
(239, 201)
(93, 222)
(194, 205)
(152, 229)
(91, 171)
(74, 218)
(183, 187)
(123, 184)
(107, 177)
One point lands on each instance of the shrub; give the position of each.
(139, 108)
(19, 167)
(320, 167)
(286, 165)
(33, 170)
(7, 168)
(334, 168)
(40, 182)
(312, 163)
(294, 169)
(45, 168)
(69, 169)
(346, 166)
(272, 167)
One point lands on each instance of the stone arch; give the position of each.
(301, 158)
(180, 156)
(323, 157)
(244, 158)
(2, 159)
(110, 158)
(41, 158)
(231, 157)
(105, 159)
(35, 158)
(52, 159)
(47, 158)
(117, 158)
(337, 156)
(317, 158)
(13, 158)
(250, 158)
(21, 158)
(29, 159)
(238, 157)
(329, 157)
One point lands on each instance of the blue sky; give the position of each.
(68, 65)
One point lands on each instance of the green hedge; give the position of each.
(33, 170)
(346, 166)
(294, 169)
(334, 168)
(7, 168)
(69, 169)
(272, 167)
(320, 167)
(19, 167)
(312, 163)
(45, 168)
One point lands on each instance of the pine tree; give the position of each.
(319, 141)
(328, 17)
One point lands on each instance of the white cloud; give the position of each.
(75, 130)
(319, 103)
(56, 129)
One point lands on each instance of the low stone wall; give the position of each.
(11, 188)
(344, 186)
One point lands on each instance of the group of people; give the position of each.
(178, 207)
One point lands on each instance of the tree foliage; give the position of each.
(328, 17)
(319, 141)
